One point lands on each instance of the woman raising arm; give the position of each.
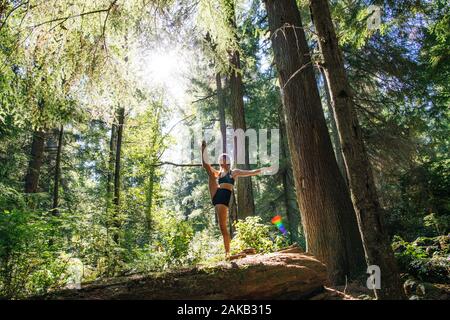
(221, 183)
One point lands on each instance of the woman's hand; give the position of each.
(204, 155)
(267, 170)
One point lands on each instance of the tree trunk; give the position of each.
(290, 201)
(232, 212)
(289, 274)
(57, 175)
(221, 107)
(245, 202)
(116, 199)
(35, 163)
(334, 130)
(111, 162)
(328, 217)
(362, 187)
(120, 119)
(149, 199)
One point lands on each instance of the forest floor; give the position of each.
(415, 290)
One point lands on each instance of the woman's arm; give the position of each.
(205, 164)
(248, 173)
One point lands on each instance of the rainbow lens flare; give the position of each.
(277, 220)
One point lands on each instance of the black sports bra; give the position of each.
(228, 178)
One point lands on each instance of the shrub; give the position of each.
(251, 233)
(30, 262)
(174, 237)
(425, 258)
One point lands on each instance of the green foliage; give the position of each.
(169, 247)
(73, 63)
(251, 233)
(426, 258)
(423, 205)
(214, 19)
(438, 223)
(30, 257)
(174, 237)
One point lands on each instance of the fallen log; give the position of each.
(290, 274)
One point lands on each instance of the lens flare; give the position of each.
(277, 221)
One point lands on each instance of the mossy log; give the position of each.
(288, 274)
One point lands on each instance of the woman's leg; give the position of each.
(212, 182)
(222, 212)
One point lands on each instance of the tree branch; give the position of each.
(167, 163)
(11, 12)
(77, 15)
(205, 98)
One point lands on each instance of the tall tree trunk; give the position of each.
(120, 119)
(116, 199)
(57, 175)
(35, 163)
(232, 213)
(221, 107)
(245, 202)
(334, 130)
(290, 201)
(328, 217)
(359, 171)
(111, 164)
(149, 199)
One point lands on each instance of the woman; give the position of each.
(221, 185)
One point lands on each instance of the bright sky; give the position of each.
(166, 68)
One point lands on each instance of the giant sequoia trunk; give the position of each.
(57, 175)
(35, 163)
(359, 172)
(245, 202)
(328, 217)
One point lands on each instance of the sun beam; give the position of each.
(166, 69)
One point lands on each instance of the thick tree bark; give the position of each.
(362, 187)
(328, 217)
(245, 202)
(35, 163)
(289, 274)
(290, 201)
(57, 175)
(334, 130)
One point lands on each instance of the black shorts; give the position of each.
(222, 196)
